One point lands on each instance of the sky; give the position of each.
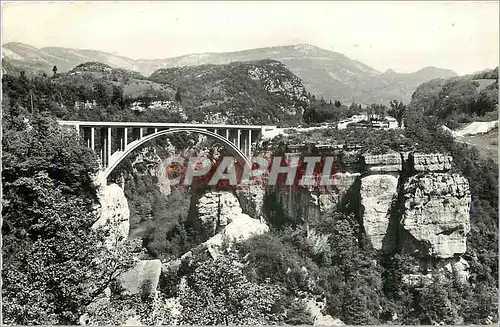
(403, 36)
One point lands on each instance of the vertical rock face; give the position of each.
(312, 203)
(436, 215)
(252, 199)
(114, 216)
(298, 204)
(430, 218)
(216, 210)
(113, 213)
(377, 194)
(329, 201)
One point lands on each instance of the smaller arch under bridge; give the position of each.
(113, 141)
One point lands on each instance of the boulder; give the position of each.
(142, 278)
(241, 228)
(436, 215)
(377, 193)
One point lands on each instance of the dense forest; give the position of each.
(54, 263)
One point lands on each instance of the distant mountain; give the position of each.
(326, 74)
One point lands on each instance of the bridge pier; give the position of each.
(136, 134)
(125, 137)
(249, 143)
(92, 138)
(109, 146)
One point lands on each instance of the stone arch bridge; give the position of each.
(113, 141)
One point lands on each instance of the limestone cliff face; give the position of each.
(377, 195)
(113, 212)
(251, 199)
(436, 215)
(410, 198)
(328, 202)
(216, 210)
(390, 162)
(430, 162)
(114, 216)
(312, 202)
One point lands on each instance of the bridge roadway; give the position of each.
(115, 142)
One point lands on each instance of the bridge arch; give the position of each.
(240, 156)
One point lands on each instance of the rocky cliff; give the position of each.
(408, 202)
(436, 215)
(114, 215)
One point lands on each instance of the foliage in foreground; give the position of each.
(54, 263)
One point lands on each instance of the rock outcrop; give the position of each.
(142, 278)
(216, 210)
(413, 194)
(313, 202)
(436, 162)
(315, 309)
(436, 215)
(114, 216)
(113, 212)
(241, 228)
(377, 194)
(251, 198)
(390, 162)
(328, 202)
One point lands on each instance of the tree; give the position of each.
(218, 293)
(54, 263)
(397, 111)
(54, 70)
(178, 96)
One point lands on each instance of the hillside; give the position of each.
(133, 83)
(256, 92)
(326, 74)
(459, 100)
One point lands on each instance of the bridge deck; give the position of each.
(160, 125)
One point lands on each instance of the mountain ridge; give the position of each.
(326, 74)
